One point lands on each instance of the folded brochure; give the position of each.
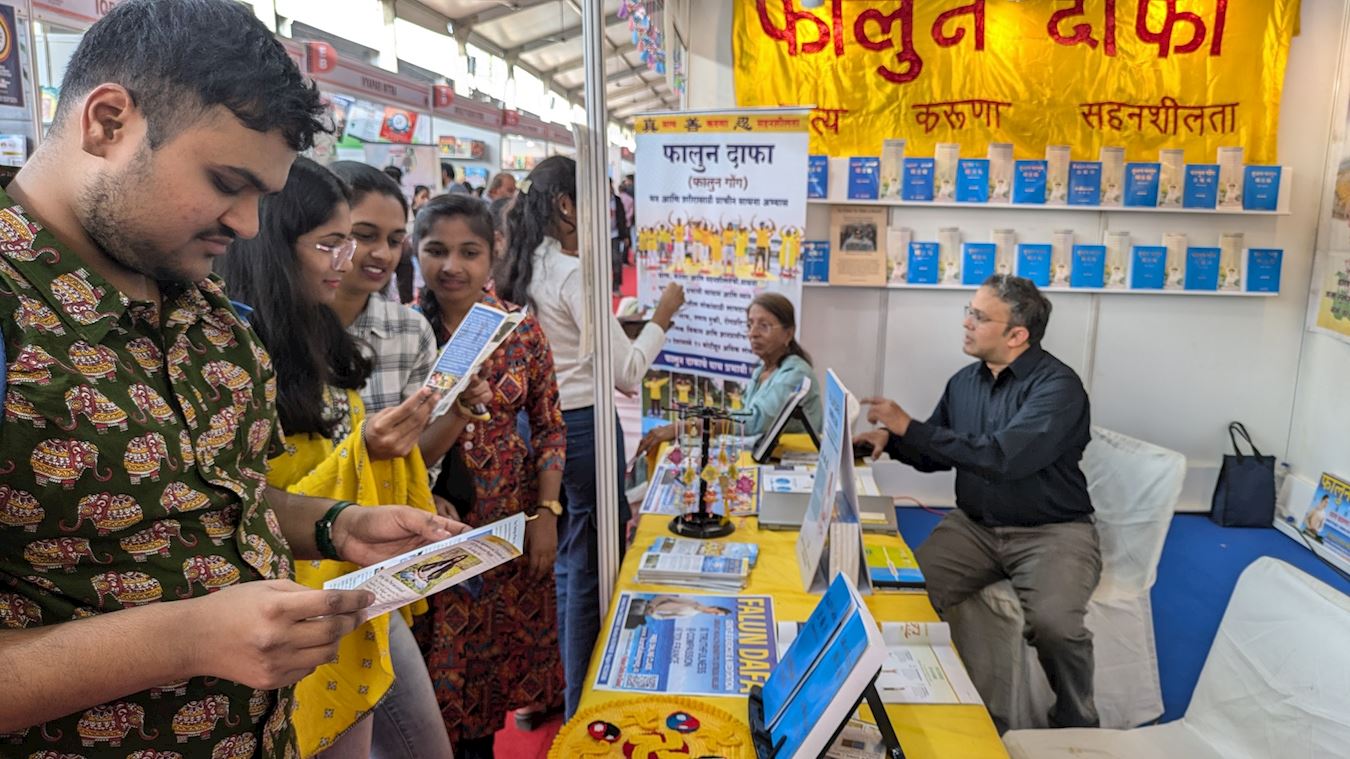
(432, 568)
(483, 329)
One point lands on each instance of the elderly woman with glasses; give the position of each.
(289, 276)
(771, 325)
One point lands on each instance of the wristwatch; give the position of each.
(532, 512)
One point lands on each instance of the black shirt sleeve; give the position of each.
(901, 450)
(1032, 440)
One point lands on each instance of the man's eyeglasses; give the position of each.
(980, 317)
(342, 253)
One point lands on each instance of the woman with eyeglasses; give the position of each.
(289, 276)
(772, 328)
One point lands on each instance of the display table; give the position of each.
(925, 731)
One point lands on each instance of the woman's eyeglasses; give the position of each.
(342, 253)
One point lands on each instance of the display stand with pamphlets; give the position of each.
(791, 410)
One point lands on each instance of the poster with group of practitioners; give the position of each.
(1329, 310)
(721, 209)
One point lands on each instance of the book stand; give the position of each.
(766, 749)
(764, 450)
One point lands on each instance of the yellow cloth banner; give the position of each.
(1139, 74)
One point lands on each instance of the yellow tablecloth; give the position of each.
(925, 732)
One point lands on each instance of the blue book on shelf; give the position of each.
(1148, 269)
(817, 176)
(978, 262)
(1261, 188)
(1089, 266)
(972, 180)
(808, 705)
(815, 260)
(1141, 185)
(1202, 268)
(1029, 182)
(923, 263)
(813, 637)
(1033, 262)
(1085, 183)
(864, 178)
(1202, 186)
(918, 181)
(1263, 269)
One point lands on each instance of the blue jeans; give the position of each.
(577, 571)
(408, 722)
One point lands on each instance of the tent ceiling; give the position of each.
(543, 37)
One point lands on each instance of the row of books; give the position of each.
(711, 565)
(1110, 181)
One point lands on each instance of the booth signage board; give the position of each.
(76, 13)
(366, 81)
(558, 134)
(720, 209)
(526, 126)
(1032, 74)
(472, 112)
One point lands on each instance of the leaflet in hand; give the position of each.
(483, 329)
(430, 569)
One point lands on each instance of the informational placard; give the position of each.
(1329, 306)
(723, 196)
(11, 78)
(1323, 523)
(1030, 74)
(699, 645)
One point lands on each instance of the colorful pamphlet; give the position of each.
(1033, 262)
(892, 566)
(978, 262)
(1263, 269)
(864, 178)
(688, 547)
(698, 645)
(1202, 186)
(1057, 158)
(432, 568)
(972, 180)
(1261, 188)
(815, 260)
(945, 157)
(1230, 177)
(923, 263)
(1202, 269)
(1148, 268)
(1085, 183)
(478, 335)
(1141, 185)
(1113, 175)
(1171, 176)
(918, 179)
(817, 176)
(1089, 266)
(1000, 172)
(722, 573)
(892, 167)
(1029, 182)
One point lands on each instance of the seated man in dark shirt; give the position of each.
(1013, 426)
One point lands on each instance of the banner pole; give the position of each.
(593, 215)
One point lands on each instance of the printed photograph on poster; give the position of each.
(11, 76)
(698, 645)
(722, 211)
(1331, 296)
(1322, 523)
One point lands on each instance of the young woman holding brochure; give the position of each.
(541, 270)
(290, 274)
(492, 646)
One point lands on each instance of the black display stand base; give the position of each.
(765, 748)
(702, 526)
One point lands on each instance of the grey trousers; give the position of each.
(1053, 568)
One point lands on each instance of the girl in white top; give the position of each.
(541, 270)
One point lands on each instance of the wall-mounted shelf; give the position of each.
(1082, 290)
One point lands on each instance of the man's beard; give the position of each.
(104, 210)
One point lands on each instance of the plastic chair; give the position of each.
(1275, 684)
(1134, 487)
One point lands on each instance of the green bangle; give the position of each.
(323, 531)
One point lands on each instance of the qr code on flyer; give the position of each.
(640, 682)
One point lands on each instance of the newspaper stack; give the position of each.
(688, 547)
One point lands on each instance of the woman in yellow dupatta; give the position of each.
(289, 275)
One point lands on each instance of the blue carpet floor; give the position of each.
(1200, 565)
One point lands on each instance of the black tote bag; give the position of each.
(1245, 493)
